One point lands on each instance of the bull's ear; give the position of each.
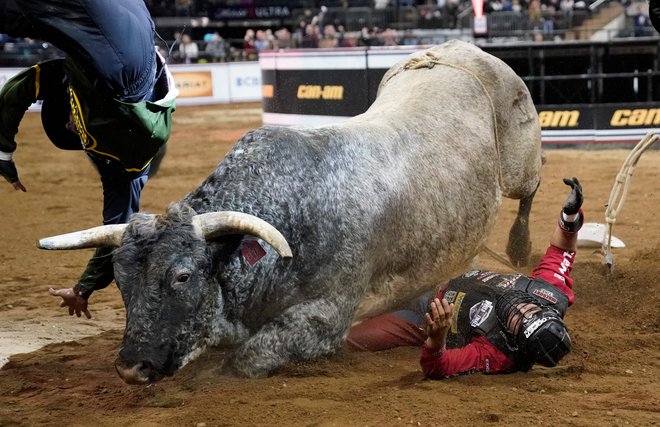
(215, 224)
(103, 236)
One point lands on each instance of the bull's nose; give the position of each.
(140, 373)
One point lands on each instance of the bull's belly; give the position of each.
(394, 291)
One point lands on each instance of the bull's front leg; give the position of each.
(306, 331)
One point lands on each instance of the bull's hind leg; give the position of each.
(519, 247)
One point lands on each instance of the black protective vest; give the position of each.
(475, 294)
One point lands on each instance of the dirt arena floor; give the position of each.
(609, 379)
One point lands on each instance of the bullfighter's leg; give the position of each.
(519, 246)
(304, 332)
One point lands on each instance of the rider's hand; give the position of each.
(73, 299)
(574, 200)
(438, 322)
(9, 172)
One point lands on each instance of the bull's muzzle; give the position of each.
(137, 373)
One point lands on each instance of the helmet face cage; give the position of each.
(538, 329)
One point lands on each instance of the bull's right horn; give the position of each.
(216, 224)
(104, 235)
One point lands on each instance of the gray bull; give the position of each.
(371, 212)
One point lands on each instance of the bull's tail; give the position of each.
(519, 247)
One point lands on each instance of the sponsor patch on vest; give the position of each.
(450, 296)
(457, 309)
(471, 273)
(545, 294)
(487, 275)
(480, 312)
(507, 283)
(252, 251)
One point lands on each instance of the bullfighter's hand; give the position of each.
(75, 301)
(438, 322)
(9, 172)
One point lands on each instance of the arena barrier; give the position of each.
(318, 87)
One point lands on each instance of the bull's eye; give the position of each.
(181, 278)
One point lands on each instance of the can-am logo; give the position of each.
(559, 119)
(637, 117)
(534, 326)
(327, 92)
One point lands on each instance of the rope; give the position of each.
(620, 191)
(498, 257)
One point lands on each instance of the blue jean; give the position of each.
(112, 39)
(121, 190)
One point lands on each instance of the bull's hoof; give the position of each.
(519, 253)
(244, 367)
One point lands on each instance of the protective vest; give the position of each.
(475, 295)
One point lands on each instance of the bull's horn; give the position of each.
(216, 224)
(104, 235)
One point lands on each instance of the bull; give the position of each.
(300, 232)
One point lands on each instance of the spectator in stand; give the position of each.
(328, 41)
(350, 39)
(369, 37)
(566, 7)
(282, 39)
(262, 41)
(310, 38)
(409, 39)
(535, 19)
(516, 6)
(389, 37)
(640, 21)
(493, 6)
(551, 6)
(216, 47)
(249, 48)
(188, 50)
(375, 36)
(341, 36)
(298, 34)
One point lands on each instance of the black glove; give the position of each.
(574, 200)
(572, 206)
(8, 171)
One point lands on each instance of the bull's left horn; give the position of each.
(104, 235)
(216, 224)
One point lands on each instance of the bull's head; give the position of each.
(167, 275)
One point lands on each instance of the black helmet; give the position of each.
(538, 329)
